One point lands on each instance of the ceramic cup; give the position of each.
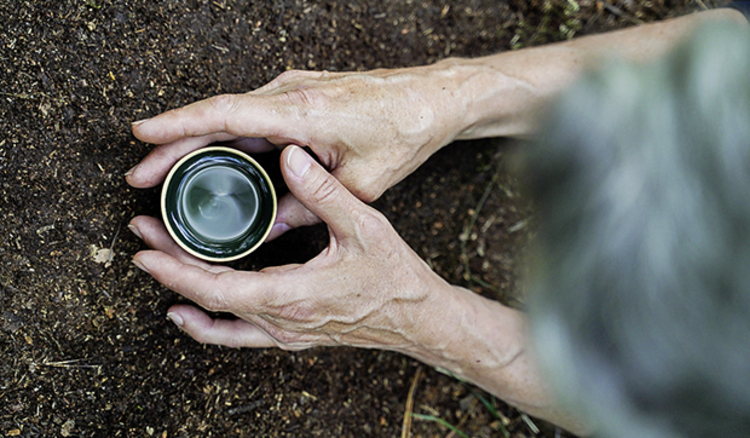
(218, 204)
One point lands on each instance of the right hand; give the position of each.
(369, 129)
(366, 289)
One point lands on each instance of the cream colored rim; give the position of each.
(164, 203)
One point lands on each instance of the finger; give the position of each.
(233, 333)
(152, 170)
(291, 214)
(320, 192)
(234, 114)
(219, 292)
(153, 232)
(252, 145)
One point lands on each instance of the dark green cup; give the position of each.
(218, 204)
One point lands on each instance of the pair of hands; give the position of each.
(367, 288)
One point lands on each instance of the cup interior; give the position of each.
(218, 204)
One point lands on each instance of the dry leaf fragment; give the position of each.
(102, 255)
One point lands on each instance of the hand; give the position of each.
(369, 129)
(366, 289)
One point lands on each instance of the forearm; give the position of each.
(500, 94)
(483, 342)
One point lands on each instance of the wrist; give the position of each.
(488, 99)
(485, 343)
(477, 339)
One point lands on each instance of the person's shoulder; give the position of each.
(742, 6)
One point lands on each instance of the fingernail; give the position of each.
(279, 229)
(138, 122)
(135, 231)
(298, 161)
(140, 266)
(131, 171)
(176, 319)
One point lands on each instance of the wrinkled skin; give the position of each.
(370, 130)
(366, 289)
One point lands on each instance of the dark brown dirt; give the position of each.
(85, 349)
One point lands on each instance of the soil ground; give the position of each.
(85, 349)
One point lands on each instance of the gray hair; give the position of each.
(640, 292)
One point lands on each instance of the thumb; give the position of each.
(320, 191)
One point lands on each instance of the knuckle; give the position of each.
(216, 299)
(305, 98)
(298, 313)
(226, 105)
(290, 75)
(372, 223)
(281, 336)
(223, 103)
(289, 309)
(214, 302)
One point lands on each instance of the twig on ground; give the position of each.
(620, 13)
(532, 426)
(406, 425)
(71, 363)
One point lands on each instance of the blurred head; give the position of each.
(641, 278)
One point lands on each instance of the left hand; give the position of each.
(370, 129)
(366, 289)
